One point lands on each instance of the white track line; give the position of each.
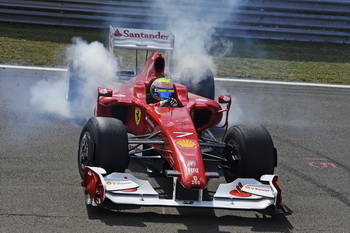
(33, 68)
(283, 83)
(217, 79)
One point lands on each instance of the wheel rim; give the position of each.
(233, 163)
(84, 151)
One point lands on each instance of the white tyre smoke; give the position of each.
(95, 67)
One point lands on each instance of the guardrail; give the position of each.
(307, 20)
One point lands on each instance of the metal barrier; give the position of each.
(307, 20)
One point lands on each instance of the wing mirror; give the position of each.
(225, 99)
(106, 92)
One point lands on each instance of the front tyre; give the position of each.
(249, 152)
(103, 143)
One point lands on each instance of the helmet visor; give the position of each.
(163, 93)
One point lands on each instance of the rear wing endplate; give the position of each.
(140, 39)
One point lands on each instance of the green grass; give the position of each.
(25, 44)
(285, 60)
(310, 71)
(27, 52)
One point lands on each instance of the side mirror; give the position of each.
(105, 92)
(224, 99)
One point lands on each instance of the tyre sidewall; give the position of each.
(255, 148)
(110, 141)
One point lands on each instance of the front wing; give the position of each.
(125, 189)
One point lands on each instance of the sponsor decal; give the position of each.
(182, 134)
(137, 116)
(203, 100)
(119, 182)
(127, 34)
(195, 181)
(150, 122)
(257, 189)
(193, 170)
(261, 190)
(186, 143)
(121, 185)
(117, 33)
(191, 163)
(119, 95)
(238, 191)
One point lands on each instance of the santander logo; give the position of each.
(117, 33)
(127, 34)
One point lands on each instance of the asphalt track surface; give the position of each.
(40, 187)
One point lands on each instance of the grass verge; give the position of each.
(25, 44)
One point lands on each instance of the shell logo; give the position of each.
(186, 143)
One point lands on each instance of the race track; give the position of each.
(40, 186)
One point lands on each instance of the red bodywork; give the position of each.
(179, 126)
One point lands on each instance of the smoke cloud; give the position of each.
(90, 66)
(48, 96)
(194, 24)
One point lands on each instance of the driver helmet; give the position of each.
(162, 89)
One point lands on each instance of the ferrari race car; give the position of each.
(127, 125)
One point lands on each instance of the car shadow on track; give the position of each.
(195, 220)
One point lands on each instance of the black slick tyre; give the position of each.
(198, 81)
(103, 143)
(249, 152)
(74, 84)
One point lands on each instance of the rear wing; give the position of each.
(140, 39)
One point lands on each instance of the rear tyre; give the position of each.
(249, 152)
(199, 82)
(103, 143)
(77, 102)
(75, 83)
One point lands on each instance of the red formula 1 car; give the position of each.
(127, 124)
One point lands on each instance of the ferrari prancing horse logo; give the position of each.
(137, 116)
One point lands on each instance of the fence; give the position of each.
(307, 20)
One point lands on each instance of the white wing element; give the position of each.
(118, 184)
(126, 189)
(261, 190)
